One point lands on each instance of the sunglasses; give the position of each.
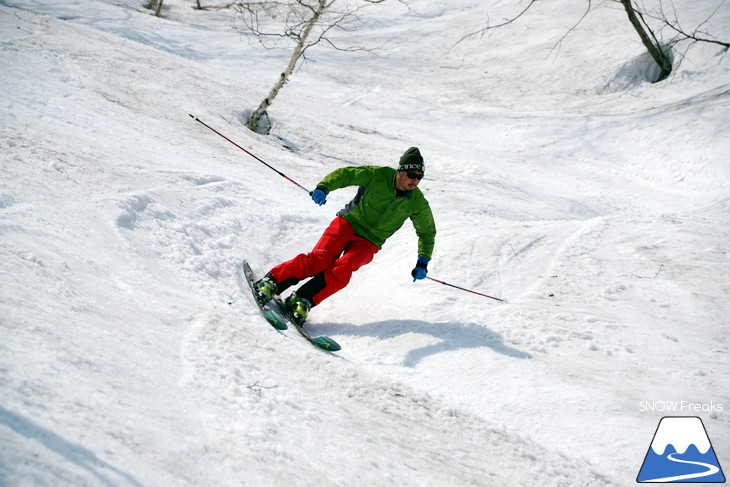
(414, 175)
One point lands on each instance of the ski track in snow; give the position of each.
(595, 203)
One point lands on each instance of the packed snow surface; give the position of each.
(596, 203)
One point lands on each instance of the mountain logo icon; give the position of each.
(680, 452)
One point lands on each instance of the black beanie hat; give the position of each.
(411, 160)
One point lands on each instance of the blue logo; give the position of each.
(681, 452)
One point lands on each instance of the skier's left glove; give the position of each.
(420, 271)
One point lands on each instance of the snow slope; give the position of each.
(597, 204)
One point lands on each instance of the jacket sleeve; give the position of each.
(348, 176)
(425, 229)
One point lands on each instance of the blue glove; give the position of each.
(319, 195)
(419, 272)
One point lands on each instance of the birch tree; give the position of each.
(303, 23)
(155, 5)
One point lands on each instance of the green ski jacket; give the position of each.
(377, 211)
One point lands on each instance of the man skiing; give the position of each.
(385, 199)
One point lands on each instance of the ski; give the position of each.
(277, 315)
(323, 342)
(271, 315)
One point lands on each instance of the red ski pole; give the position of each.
(467, 290)
(247, 152)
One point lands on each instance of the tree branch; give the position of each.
(484, 30)
(676, 27)
(575, 26)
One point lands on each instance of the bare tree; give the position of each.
(651, 43)
(306, 23)
(659, 51)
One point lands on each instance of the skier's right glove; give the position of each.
(319, 195)
(419, 272)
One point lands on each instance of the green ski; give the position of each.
(323, 342)
(276, 313)
(270, 314)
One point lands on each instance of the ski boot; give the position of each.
(266, 288)
(298, 308)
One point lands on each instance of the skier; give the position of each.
(385, 199)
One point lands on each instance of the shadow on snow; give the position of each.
(453, 336)
(77, 454)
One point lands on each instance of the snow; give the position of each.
(594, 202)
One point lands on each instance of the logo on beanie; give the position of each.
(411, 160)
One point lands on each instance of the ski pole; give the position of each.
(467, 290)
(247, 152)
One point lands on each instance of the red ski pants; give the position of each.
(337, 254)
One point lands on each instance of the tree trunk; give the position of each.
(256, 116)
(158, 10)
(654, 48)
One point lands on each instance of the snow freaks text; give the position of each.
(680, 407)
